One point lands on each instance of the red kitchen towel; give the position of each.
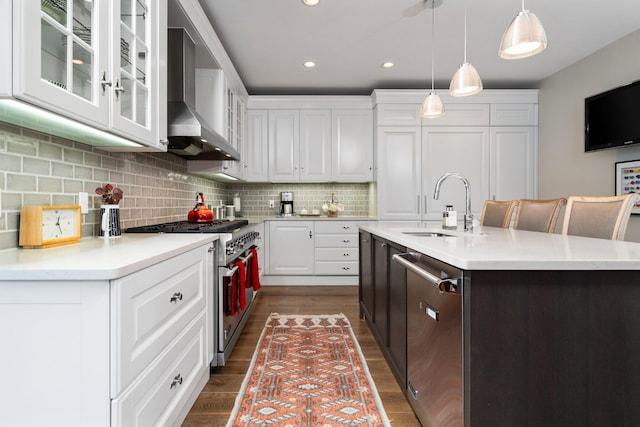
(254, 273)
(241, 285)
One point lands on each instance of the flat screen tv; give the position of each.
(612, 118)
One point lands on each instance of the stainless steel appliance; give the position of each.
(190, 135)
(235, 243)
(286, 203)
(434, 339)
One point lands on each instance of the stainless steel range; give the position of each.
(236, 243)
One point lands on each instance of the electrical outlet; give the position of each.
(83, 201)
(272, 204)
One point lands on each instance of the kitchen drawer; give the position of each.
(337, 268)
(336, 241)
(156, 397)
(337, 254)
(150, 308)
(338, 227)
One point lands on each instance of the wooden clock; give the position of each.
(46, 226)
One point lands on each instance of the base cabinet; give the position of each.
(383, 300)
(313, 248)
(365, 289)
(107, 353)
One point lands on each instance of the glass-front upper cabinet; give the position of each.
(58, 55)
(97, 61)
(133, 66)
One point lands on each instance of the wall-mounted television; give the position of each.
(612, 118)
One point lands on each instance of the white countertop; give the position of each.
(97, 258)
(320, 218)
(489, 248)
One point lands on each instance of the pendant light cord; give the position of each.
(465, 32)
(433, 39)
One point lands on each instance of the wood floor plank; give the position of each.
(215, 403)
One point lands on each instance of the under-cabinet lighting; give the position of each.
(26, 115)
(225, 176)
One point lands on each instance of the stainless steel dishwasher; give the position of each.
(434, 340)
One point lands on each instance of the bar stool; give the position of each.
(599, 217)
(538, 215)
(496, 213)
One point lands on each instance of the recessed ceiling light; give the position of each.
(309, 64)
(311, 2)
(387, 65)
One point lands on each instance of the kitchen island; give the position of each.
(546, 332)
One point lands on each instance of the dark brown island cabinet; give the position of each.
(537, 348)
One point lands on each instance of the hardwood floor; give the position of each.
(214, 405)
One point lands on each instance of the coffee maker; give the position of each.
(286, 203)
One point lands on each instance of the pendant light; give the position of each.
(524, 37)
(432, 106)
(466, 81)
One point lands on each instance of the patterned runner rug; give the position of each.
(308, 371)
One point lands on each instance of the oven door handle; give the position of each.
(228, 272)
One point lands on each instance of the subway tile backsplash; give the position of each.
(255, 197)
(39, 169)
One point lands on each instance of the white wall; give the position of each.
(564, 168)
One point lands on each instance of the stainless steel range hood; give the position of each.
(190, 136)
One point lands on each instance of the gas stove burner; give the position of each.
(217, 226)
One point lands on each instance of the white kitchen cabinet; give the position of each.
(255, 155)
(96, 62)
(454, 149)
(514, 114)
(398, 115)
(313, 248)
(399, 173)
(351, 145)
(299, 145)
(411, 159)
(113, 351)
(336, 248)
(492, 141)
(291, 247)
(514, 163)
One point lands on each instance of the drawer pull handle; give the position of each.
(346, 241)
(176, 297)
(346, 227)
(345, 254)
(346, 268)
(177, 380)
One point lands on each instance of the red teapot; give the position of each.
(200, 213)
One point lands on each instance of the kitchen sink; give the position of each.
(427, 234)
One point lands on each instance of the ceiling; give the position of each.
(269, 40)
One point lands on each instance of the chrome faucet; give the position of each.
(468, 216)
